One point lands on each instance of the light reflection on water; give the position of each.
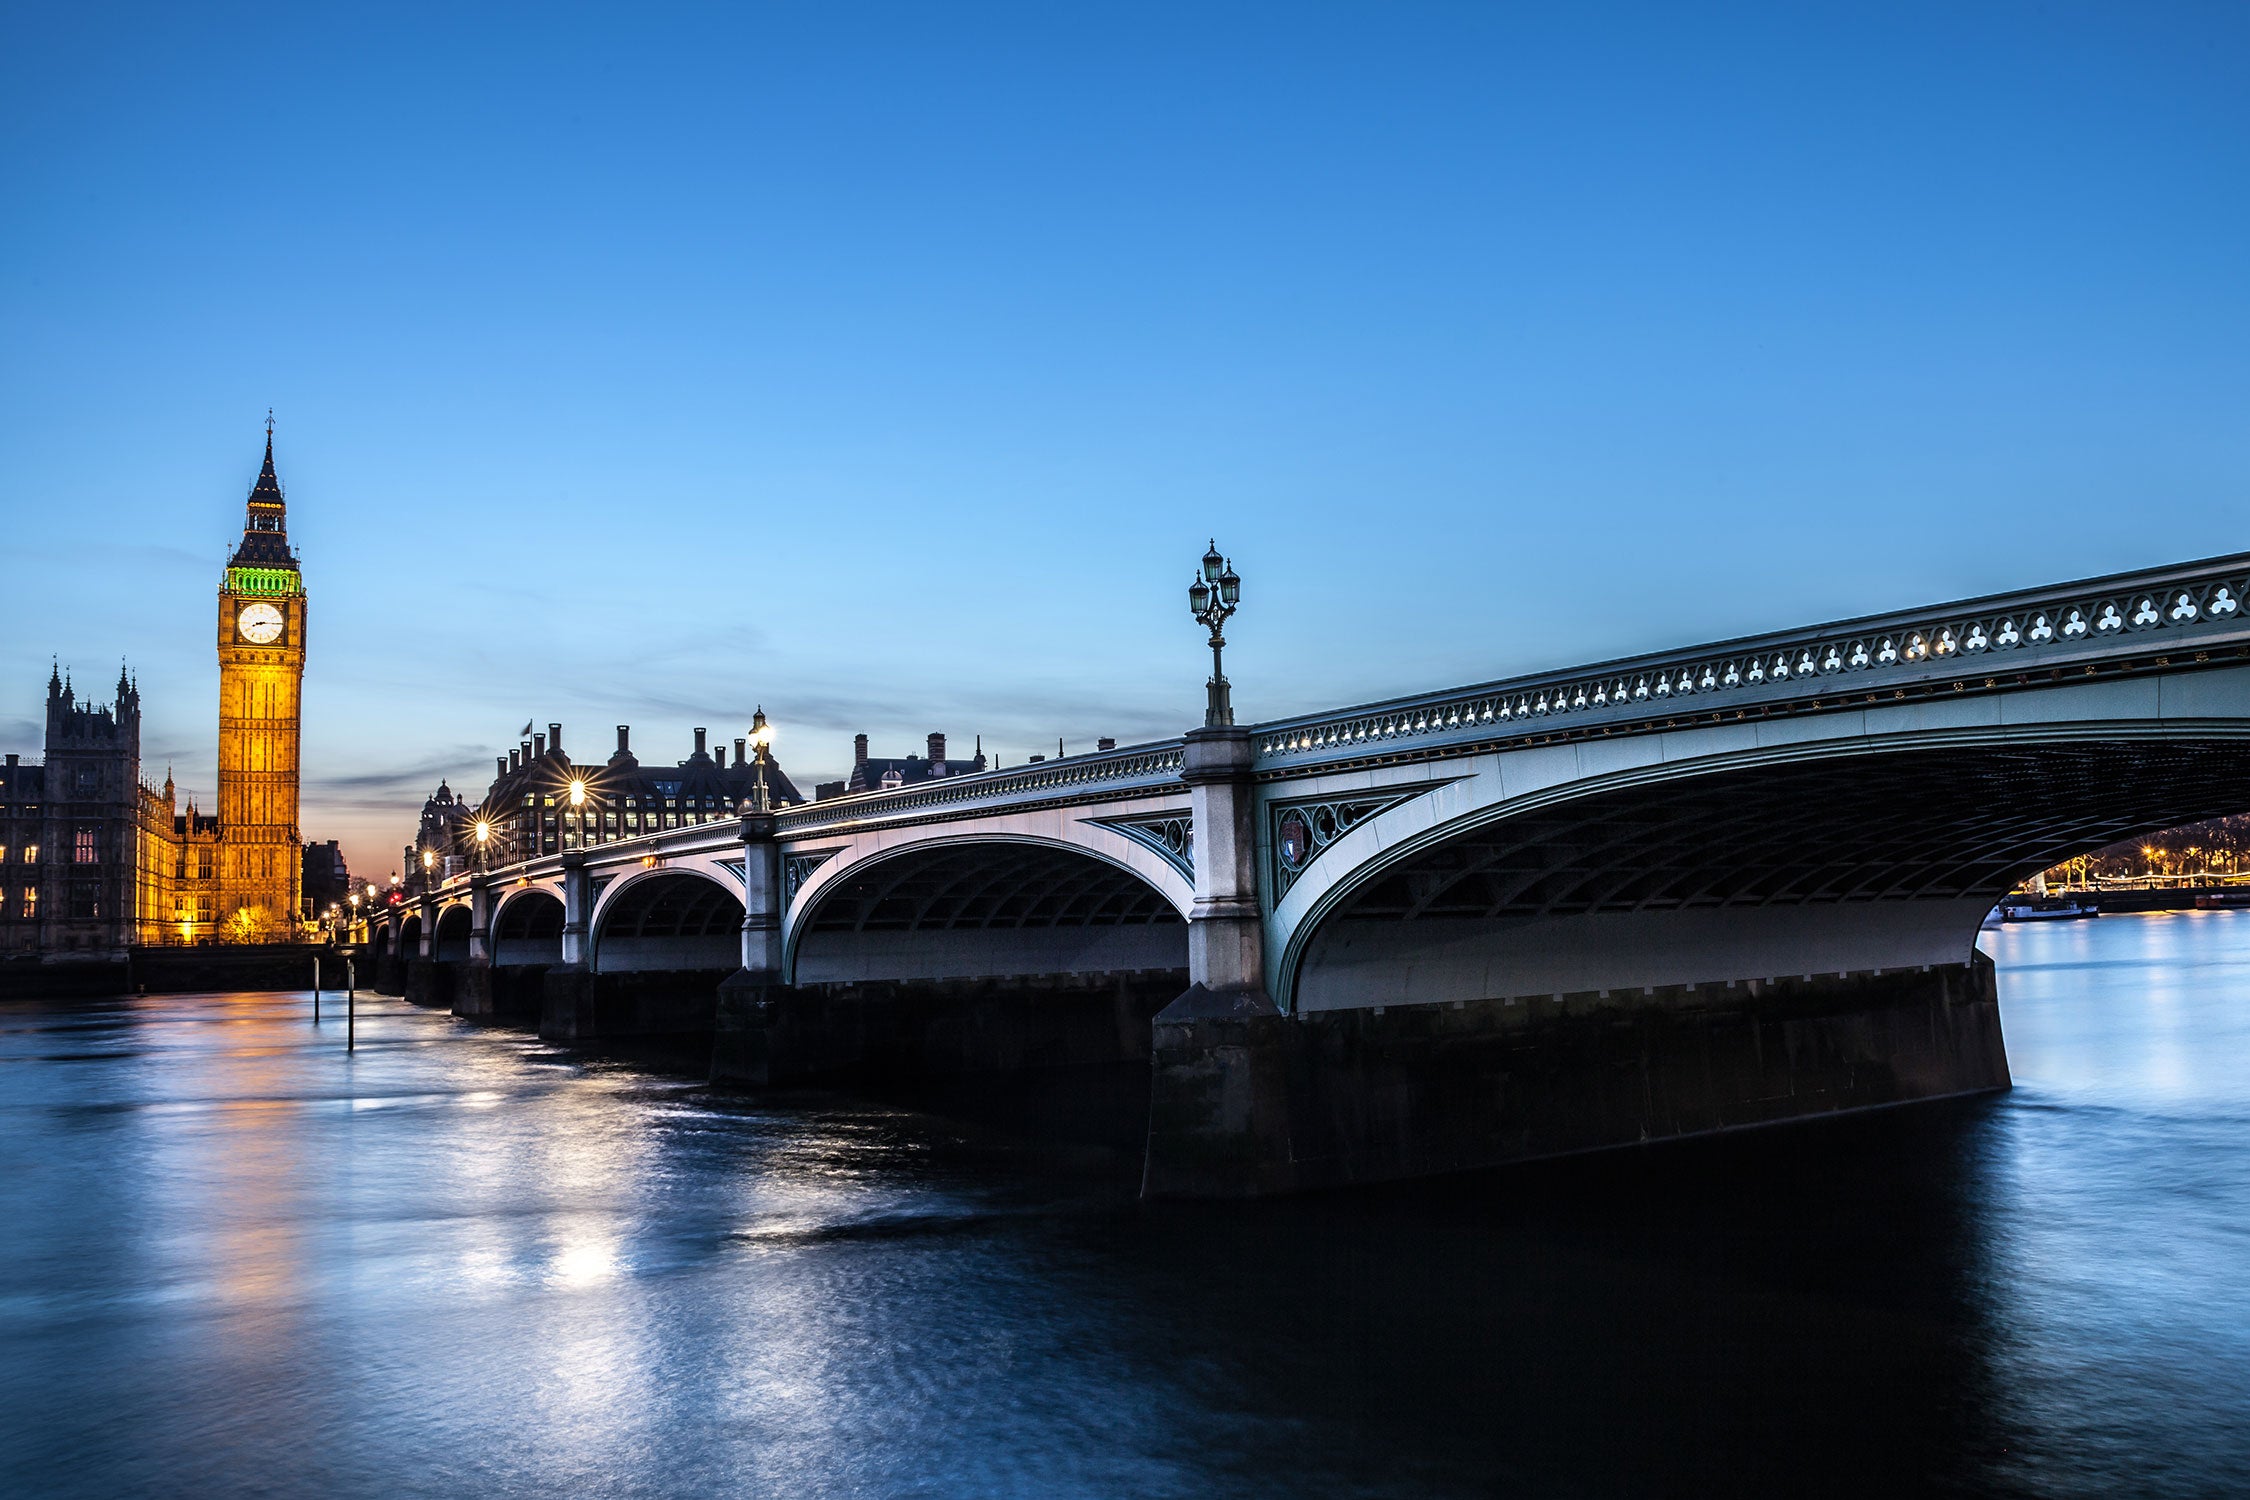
(455, 1262)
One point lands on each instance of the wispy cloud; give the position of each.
(415, 779)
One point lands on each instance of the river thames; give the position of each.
(458, 1262)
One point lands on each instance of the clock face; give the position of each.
(259, 622)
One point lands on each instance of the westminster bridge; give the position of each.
(1677, 893)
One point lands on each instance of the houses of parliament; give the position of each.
(93, 859)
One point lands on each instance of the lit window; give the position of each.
(86, 847)
(30, 902)
(31, 854)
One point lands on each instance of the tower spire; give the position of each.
(265, 527)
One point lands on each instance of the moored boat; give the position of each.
(2048, 908)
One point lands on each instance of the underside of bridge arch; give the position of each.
(450, 940)
(672, 922)
(1828, 865)
(528, 930)
(1012, 982)
(987, 910)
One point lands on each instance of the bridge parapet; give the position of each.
(2004, 636)
(1079, 778)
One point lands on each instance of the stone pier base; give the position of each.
(1057, 1057)
(430, 982)
(499, 992)
(1246, 1101)
(579, 1006)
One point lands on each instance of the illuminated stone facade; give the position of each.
(261, 675)
(94, 860)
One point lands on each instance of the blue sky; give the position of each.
(889, 366)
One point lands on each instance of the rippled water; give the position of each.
(235, 1260)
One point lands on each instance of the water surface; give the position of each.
(238, 1260)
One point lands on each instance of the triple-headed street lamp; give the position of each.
(1214, 596)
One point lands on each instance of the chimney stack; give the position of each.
(624, 739)
(1105, 743)
(513, 762)
(538, 747)
(859, 749)
(699, 750)
(937, 748)
(741, 745)
(554, 738)
(499, 765)
(720, 755)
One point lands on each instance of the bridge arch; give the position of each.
(682, 917)
(1873, 853)
(380, 940)
(449, 939)
(410, 936)
(982, 907)
(527, 927)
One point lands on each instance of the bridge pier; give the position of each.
(484, 991)
(1218, 1100)
(1248, 1105)
(581, 1005)
(566, 989)
(759, 1030)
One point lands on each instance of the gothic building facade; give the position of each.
(95, 860)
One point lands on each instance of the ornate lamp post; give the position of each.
(429, 863)
(484, 838)
(1212, 598)
(578, 806)
(761, 737)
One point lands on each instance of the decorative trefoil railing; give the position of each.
(2199, 599)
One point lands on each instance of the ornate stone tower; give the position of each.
(261, 672)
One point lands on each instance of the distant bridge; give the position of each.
(1647, 897)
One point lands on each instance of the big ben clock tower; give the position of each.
(261, 672)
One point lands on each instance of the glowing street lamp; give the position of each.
(484, 837)
(761, 736)
(578, 806)
(1212, 598)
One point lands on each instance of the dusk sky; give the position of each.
(890, 366)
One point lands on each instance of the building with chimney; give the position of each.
(530, 808)
(876, 774)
